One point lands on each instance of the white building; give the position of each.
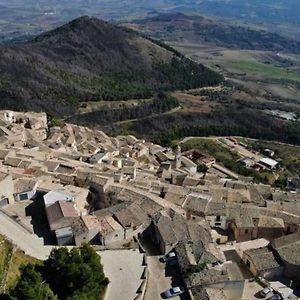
(269, 163)
(98, 157)
(188, 164)
(8, 116)
(54, 196)
(24, 189)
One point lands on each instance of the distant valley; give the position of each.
(20, 18)
(266, 63)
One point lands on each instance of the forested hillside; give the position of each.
(90, 60)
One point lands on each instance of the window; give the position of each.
(217, 223)
(218, 218)
(246, 231)
(23, 197)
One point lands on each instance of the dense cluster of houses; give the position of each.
(107, 190)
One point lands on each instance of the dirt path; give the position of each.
(154, 115)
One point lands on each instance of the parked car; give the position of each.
(171, 256)
(264, 292)
(275, 297)
(174, 291)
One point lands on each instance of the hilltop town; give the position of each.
(227, 236)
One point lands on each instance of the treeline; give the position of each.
(108, 87)
(229, 121)
(162, 102)
(184, 74)
(66, 275)
(177, 74)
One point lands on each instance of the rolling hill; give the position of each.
(194, 28)
(91, 60)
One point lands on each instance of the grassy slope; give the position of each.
(5, 252)
(211, 147)
(19, 259)
(10, 262)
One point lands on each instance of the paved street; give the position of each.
(124, 269)
(158, 282)
(27, 242)
(160, 276)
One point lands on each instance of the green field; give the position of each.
(267, 70)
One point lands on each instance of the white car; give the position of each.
(169, 257)
(266, 291)
(175, 291)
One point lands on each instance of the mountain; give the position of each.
(90, 60)
(194, 28)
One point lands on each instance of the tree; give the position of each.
(76, 272)
(202, 168)
(71, 275)
(31, 286)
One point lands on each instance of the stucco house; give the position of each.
(69, 193)
(99, 157)
(195, 205)
(25, 189)
(215, 214)
(110, 231)
(54, 196)
(133, 219)
(262, 262)
(287, 251)
(60, 212)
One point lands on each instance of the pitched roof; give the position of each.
(171, 226)
(197, 202)
(215, 208)
(270, 222)
(108, 225)
(262, 258)
(59, 210)
(288, 248)
(22, 185)
(206, 277)
(133, 215)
